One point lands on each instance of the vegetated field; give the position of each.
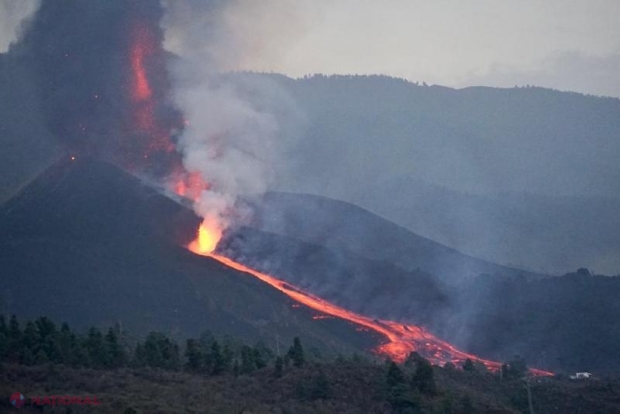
(344, 386)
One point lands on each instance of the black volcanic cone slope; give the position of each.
(89, 244)
(567, 323)
(338, 225)
(372, 287)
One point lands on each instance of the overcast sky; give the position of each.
(564, 44)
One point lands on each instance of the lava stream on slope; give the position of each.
(401, 339)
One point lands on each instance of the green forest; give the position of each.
(224, 374)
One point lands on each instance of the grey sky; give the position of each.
(564, 44)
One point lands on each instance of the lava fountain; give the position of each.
(400, 339)
(152, 120)
(209, 234)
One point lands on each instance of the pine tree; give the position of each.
(447, 404)
(173, 357)
(116, 354)
(139, 356)
(194, 356)
(467, 407)
(279, 365)
(424, 379)
(321, 388)
(357, 359)
(247, 360)
(394, 375)
(469, 365)
(4, 329)
(227, 355)
(261, 353)
(413, 359)
(296, 353)
(161, 352)
(95, 347)
(449, 366)
(41, 357)
(217, 359)
(27, 357)
(52, 348)
(79, 354)
(404, 400)
(206, 340)
(236, 368)
(45, 327)
(153, 355)
(515, 368)
(66, 342)
(4, 346)
(14, 345)
(31, 338)
(14, 332)
(503, 371)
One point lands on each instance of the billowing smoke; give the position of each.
(230, 130)
(13, 15)
(105, 87)
(227, 141)
(100, 72)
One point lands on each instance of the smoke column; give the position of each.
(227, 140)
(100, 72)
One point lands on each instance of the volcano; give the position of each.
(89, 244)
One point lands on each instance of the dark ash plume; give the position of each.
(100, 71)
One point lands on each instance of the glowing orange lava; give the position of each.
(153, 132)
(141, 49)
(209, 234)
(189, 185)
(141, 92)
(401, 339)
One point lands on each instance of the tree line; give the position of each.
(406, 387)
(41, 342)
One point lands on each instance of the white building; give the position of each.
(581, 375)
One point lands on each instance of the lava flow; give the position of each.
(151, 130)
(401, 339)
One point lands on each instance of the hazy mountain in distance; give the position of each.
(521, 176)
(567, 323)
(444, 163)
(548, 234)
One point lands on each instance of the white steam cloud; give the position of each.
(227, 141)
(228, 138)
(13, 14)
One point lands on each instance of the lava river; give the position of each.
(400, 339)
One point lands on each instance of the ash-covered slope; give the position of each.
(374, 288)
(89, 244)
(568, 323)
(344, 226)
